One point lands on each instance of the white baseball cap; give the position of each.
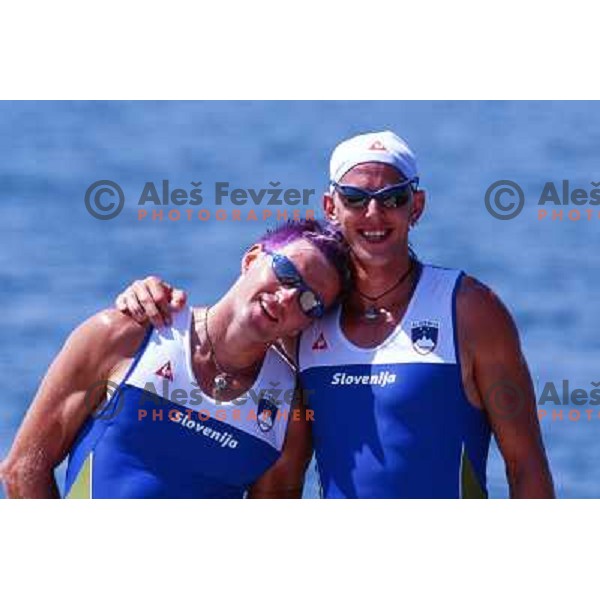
(382, 146)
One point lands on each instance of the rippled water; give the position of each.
(58, 265)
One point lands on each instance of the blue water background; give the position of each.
(58, 265)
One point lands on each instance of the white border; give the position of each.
(302, 549)
(380, 50)
(107, 50)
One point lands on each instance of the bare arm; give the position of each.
(499, 380)
(285, 479)
(68, 394)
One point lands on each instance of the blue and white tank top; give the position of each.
(162, 437)
(393, 421)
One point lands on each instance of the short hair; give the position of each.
(323, 236)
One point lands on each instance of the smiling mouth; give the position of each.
(375, 235)
(266, 311)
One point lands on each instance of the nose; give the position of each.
(288, 301)
(373, 208)
(286, 295)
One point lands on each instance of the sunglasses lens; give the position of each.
(310, 304)
(355, 201)
(396, 199)
(392, 197)
(285, 271)
(353, 197)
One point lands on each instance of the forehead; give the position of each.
(372, 175)
(315, 269)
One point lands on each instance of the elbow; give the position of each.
(10, 476)
(23, 478)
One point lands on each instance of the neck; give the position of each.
(373, 280)
(233, 351)
(384, 288)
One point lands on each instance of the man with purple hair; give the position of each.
(202, 408)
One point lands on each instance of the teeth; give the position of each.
(263, 306)
(373, 234)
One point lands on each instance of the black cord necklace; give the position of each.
(224, 379)
(372, 312)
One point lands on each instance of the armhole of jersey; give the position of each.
(296, 355)
(469, 485)
(299, 390)
(113, 403)
(454, 320)
(136, 357)
(320, 490)
(82, 485)
(296, 403)
(81, 488)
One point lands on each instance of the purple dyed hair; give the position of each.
(326, 238)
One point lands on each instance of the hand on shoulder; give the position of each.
(151, 299)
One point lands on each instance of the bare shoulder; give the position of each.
(106, 337)
(481, 314)
(112, 326)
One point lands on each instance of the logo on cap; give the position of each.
(377, 145)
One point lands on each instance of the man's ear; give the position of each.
(250, 256)
(329, 207)
(418, 206)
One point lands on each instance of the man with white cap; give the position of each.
(411, 375)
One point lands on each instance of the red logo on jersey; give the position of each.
(377, 145)
(321, 343)
(166, 371)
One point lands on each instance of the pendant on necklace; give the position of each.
(221, 382)
(372, 313)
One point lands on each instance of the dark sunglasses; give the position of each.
(393, 196)
(311, 304)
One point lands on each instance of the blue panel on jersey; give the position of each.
(394, 430)
(170, 453)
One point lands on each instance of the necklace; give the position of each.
(372, 312)
(224, 378)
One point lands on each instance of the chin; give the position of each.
(257, 327)
(377, 256)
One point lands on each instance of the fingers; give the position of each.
(130, 300)
(178, 300)
(120, 303)
(151, 299)
(160, 294)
